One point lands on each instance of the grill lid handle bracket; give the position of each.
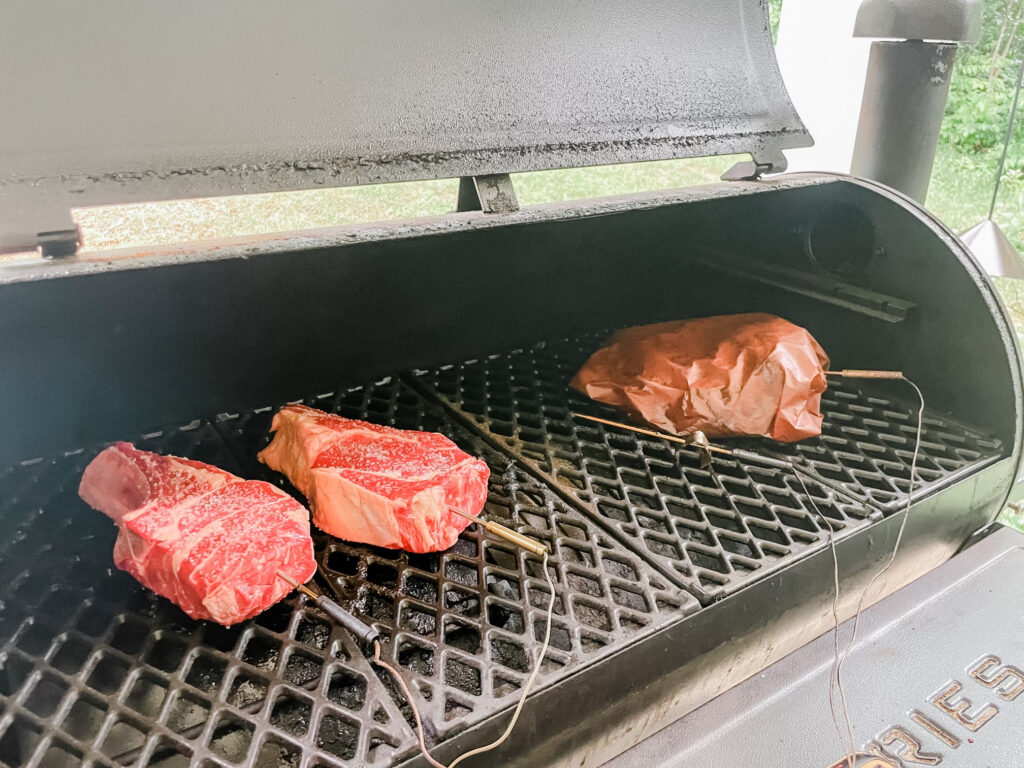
(763, 162)
(491, 194)
(59, 243)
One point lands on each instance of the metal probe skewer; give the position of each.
(525, 542)
(296, 585)
(363, 632)
(699, 443)
(854, 373)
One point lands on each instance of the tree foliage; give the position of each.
(983, 85)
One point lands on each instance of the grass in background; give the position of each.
(960, 194)
(122, 226)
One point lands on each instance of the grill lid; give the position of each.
(123, 102)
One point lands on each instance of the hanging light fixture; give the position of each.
(986, 240)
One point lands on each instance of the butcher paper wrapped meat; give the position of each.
(731, 375)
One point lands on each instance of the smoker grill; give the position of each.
(674, 583)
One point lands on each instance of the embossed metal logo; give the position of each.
(943, 721)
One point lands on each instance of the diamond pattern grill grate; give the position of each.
(98, 671)
(468, 621)
(711, 532)
(95, 670)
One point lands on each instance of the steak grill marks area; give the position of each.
(712, 532)
(96, 670)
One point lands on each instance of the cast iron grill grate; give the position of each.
(467, 623)
(98, 671)
(95, 670)
(867, 445)
(713, 532)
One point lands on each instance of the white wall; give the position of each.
(823, 66)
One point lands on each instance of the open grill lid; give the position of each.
(119, 102)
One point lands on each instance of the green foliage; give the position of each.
(774, 14)
(978, 106)
(983, 84)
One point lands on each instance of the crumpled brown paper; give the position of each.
(730, 375)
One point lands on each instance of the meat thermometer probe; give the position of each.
(365, 633)
(525, 542)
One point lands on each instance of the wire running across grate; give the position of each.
(712, 532)
(867, 445)
(466, 623)
(95, 670)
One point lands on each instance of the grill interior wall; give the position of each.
(98, 356)
(95, 668)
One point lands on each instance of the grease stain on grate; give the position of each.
(205, 673)
(302, 669)
(231, 738)
(291, 714)
(186, 712)
(278, 754)
(261, 652)
(347, 689)
(337, 736)
(247, 690)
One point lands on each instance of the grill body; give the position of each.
(674, 584)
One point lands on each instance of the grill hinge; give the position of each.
(490, 194)
(59, 243)
(761, 163)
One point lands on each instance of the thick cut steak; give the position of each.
(378, 485)
(208, 541)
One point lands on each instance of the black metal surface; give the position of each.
(127, 342)
(938, 631)
(867, 444)
(115, 346)
(712, 532)
(98, 671)
(905, 92)
(355, 93)
(468, 622)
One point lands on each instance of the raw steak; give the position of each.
(378, 485)
(208, 541)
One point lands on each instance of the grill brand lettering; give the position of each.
(898, 746)
(1005, 673)
(906, 748)
(930, 725)
(958, 707)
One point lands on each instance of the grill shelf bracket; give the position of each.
(820, 287)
